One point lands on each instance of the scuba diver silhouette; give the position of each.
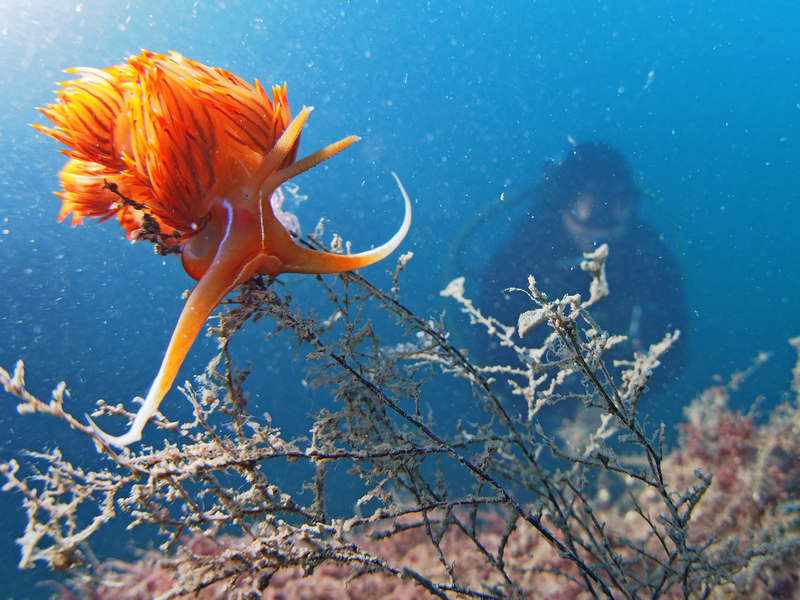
(587, 199)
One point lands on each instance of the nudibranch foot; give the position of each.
(121, 441)
(134, 433)
(305, 260)
(209, 292)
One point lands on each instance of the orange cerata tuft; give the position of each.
(165, 130)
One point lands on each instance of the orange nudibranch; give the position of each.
(191, 155)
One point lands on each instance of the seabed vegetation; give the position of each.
(498, 506)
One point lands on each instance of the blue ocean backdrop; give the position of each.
(465, 101)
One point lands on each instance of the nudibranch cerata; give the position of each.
(189, 156)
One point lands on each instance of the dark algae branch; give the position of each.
(493, 505)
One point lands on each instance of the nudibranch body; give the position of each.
(191, 155)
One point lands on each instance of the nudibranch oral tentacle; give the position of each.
(191, 155)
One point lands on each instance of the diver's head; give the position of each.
(593, 191)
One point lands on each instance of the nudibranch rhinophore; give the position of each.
(191, 155)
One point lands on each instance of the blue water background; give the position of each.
(464, 101)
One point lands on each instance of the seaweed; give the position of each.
(497, 505)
